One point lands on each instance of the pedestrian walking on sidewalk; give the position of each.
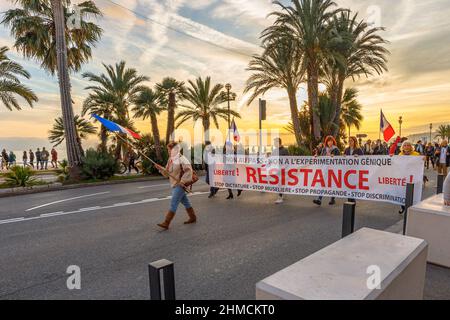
(180, 173)
(31, 156)
(25, 159)
(54, 155)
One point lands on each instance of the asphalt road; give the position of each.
(110, 232)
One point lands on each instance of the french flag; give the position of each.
(386, 128)
(114, 127)
(236, 135)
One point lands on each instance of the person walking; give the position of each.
(132, 161)
(25, 159)
(31, 156)
(407, 149)
(38, 159)
(180, 172)
(12, 159)
(44, 158)
(420, 148)
(230, 150)
(443, 158)
(279, 151)
(353, 150)
(54, 155)
(330, 150)
(5, 159)
(209, 158)
(429, 154)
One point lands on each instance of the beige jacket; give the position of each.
(173, 170)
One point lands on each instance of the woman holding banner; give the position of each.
(180, 173)
(330, 150)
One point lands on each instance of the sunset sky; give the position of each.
(417, 85)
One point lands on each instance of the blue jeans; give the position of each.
(179, 196)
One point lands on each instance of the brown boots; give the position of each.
(192, 216)
(170, 215)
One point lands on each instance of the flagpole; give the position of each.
(127, 141)
(379, 130)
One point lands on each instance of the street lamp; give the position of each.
(228, 87)
(431, 132)
(400, 122)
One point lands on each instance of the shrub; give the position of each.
(63, 171)
(98, 165)
(20, 177)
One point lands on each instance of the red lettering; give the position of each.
(306, 173)
(333, 179)
(273, 173)
(363, 179)
(262, 177)
(318, 178)
(251, 174)
(293, 177)
(347, 176)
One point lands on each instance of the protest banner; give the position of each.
(373, 178)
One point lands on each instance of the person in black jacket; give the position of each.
(429, 153)
(208, 157)
(353, 148)
(330, 150)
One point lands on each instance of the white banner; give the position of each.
(373, 178)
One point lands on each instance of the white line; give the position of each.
(58, 214)
(12, 220)
(59, 201)
(155, 185)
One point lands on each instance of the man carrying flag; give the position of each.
(386, 128)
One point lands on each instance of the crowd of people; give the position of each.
(38, 160)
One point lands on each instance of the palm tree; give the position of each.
(443, 132)
(303, 117)
(39, 27)
(205, 102)
(358, 50)
(280, 66)
(102, 105)
(172, 91)
(307, 22)
(10, 85)
(83, 127)
(148, 105)
(351, 110)
(118, 88)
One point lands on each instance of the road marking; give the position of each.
(84, 210)
(154, 186)
(59, 201)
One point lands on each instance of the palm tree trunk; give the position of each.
(73, 148)
(294, 115)
(313, 99)
(171, 116)
(156, 137)
(103, 139)
(338, 103)
(206, 126)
